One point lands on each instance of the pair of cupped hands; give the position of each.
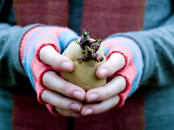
(71, 100)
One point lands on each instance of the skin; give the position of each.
(67, 97)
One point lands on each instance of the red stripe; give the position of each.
(41, 11)
(29, 114)
(104, 17)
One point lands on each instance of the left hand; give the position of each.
(106, 95)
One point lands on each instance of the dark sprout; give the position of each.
(89, 48)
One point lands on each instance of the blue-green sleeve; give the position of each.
(11, 70)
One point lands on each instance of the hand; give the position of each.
(65, 96)
(107, 95)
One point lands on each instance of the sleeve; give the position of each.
(156, 49)
(11, 70)
(31, 44)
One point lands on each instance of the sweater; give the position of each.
(155, 42)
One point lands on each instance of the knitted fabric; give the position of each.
(103, 18)
(26, 110)
(29, 114)
(44, 11)
(32, 42)
(132, 71)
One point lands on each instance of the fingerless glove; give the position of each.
(132, 71)
(31, 44)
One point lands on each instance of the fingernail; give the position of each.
(77, 94)
(75, 107)
(67, 66)
(88, 112)
(103, 73)
(92, 97)
(74, 114)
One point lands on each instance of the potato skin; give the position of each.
(84, 74)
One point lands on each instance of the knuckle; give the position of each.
(42, 53)
(117, 99)
(46, 78)
(113, 67)
(67, 114)
(60, 104)
(105, 95)
(53, 61)
(43, 95)
(117, 65)
(122, 60)
(99, 109)
(65, 88)
(63, 112)
(123, 83)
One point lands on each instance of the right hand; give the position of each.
(65, 96)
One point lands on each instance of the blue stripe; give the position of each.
(31, 38)
(135, 59)
(27, 64)
(66, 37)
(129, 41)
(106, 49)
(28, 43)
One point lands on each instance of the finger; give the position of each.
(113, 64)
(89, 109)
(54, 82)
(114, 87)
(67, 113)
(60, 101)
(50, 56)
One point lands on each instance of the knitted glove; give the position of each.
(30, 46)
(132, 71)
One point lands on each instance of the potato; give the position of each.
(84, 74)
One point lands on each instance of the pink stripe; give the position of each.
(25, 40)
(54, 31)
(112, 42)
